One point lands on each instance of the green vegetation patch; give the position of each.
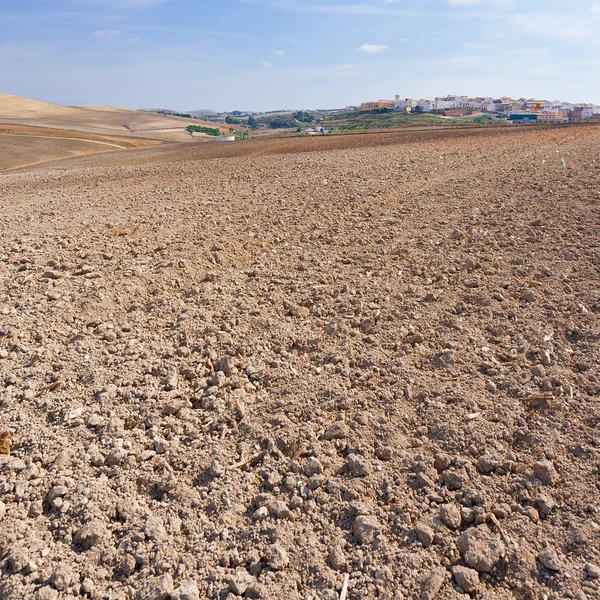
(379, 119)
(200, 129)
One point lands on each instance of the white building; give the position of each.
(587, 112)
(400, 104)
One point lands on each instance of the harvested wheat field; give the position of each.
(338, 370)
(15, 110)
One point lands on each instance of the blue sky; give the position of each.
(272, 54)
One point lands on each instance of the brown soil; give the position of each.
(364, 368)
(22, 146)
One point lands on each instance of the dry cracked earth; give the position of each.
(313, 373)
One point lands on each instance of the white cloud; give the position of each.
(345, 66)
(595, 8)
(279, 52)
(373, 48)
(106, 34)
(266, 64)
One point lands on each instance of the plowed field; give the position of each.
(356, 367)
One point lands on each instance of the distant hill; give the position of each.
(15, 110)
(194, 113)
(202, 111)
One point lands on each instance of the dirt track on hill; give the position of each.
(284, 369)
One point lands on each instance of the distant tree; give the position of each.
(232, 120)
(280, 122)
(303, 116)
(200, 129)
(252, 122)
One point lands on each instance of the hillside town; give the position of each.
(519, 111)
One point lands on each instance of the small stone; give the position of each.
(545, 504)
(488, 463)
(367, 326)
(538, 371)
(276, 557)
(337, 558)
(240, 582)
(260, 513)
(46, 593)
(170, 382)
(591, 571)
(425, 535)
(155, 530)
(338, 431)
(128, 565)
(174, 406)
(545, 471)
(75, 413)
(450, 515)
(357, 465)
(467, 514)
(455, 479)
(50, 275)
(17, 559)
(441, 462)
(216, 468)
(116, 457)
(31, 567)
(502, 510)
(157, 588)
(481, 549)
(188, 590)
(88, 587)
(433, 584)
(467, 579)
(2, 510)
(36, 509)
(528, 296)
(312, 467)
(384, 453)
(490, 386)
(91, 534)
(225, 364)
(255, 370)
(549, 558)
(62, 577)
(365, 529)
(279, 509)
(258, 591)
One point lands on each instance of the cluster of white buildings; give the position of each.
(547, 111)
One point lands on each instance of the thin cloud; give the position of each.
(266, 64)
(595, 8)
(462, 2)
(555, 27)
(106, 34)
(344, 67)
(124, 3)
(387, 9)
(373, 48)
(279, 52)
